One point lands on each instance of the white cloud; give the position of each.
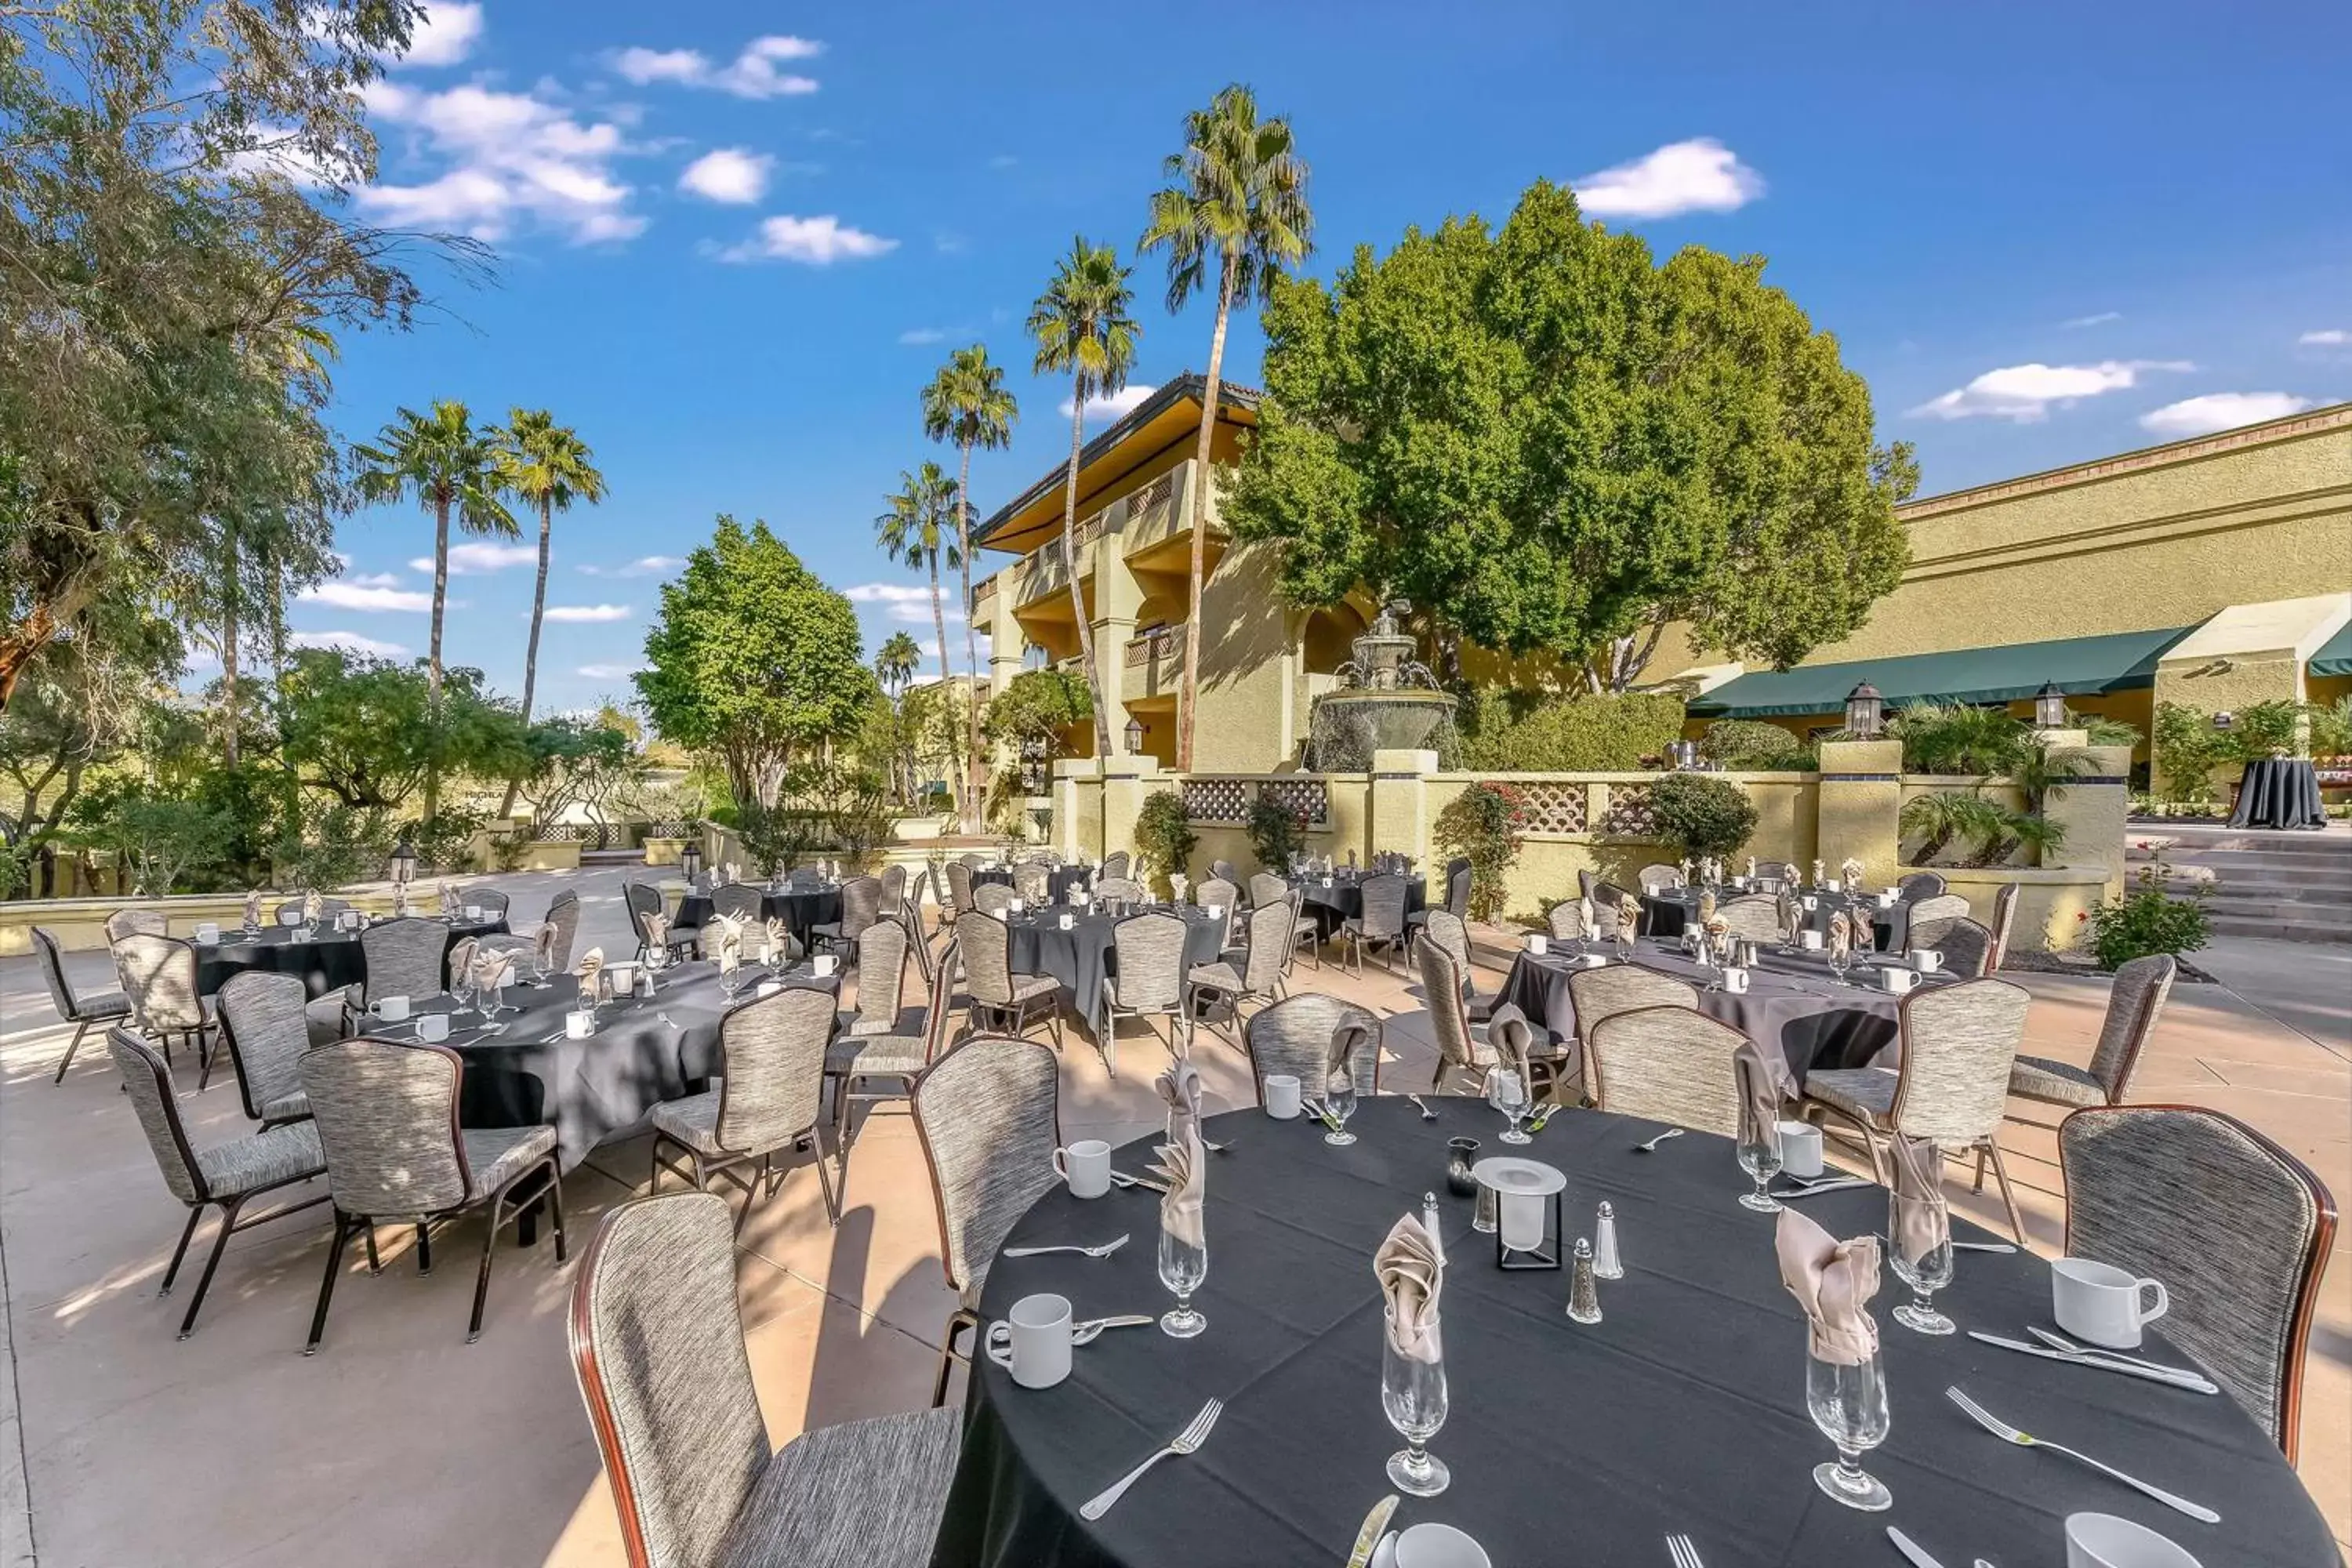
(916, 337)
(375, 580)
(755, 73)
(514, 160)
(610, 672)
(643, 566)
(2221, 411)
(1698, 175)
(445, 35)
(817, 241)
(588, 612)
(904, 602)
(2325, 338)
(356, 597)
(472, 560)
(1123, 401)
(2023, 392)
(1002, 161)
(2099, 319)
(350, 642)
(731, 174)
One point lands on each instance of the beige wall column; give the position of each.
(1078, 828)
(1125, 783)
(1400, 813)
(1861, 801)
(2092, 808)
(1119, 598)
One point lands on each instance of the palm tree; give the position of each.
(446, 465)
(966, 404)
(548, 467)
(1082, 326)
(920, 528)
(893, 666)
(1239, 204)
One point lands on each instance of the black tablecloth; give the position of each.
(1793, 1003)
(644, 1051)
(1064, 879)
(1344, 899)
(799, 908)
(327, 962)
(1082, 956)
(1669, 914)
(2279, 792)
(1683, 1410)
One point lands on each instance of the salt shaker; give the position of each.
(1606, 1264)
(1429, 1223)
(1583, 1299)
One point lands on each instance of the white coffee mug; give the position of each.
(291, 916)
(1086, 1165)
(1811, 902)
(1538, 943)
(1810, 941)
(433, 1027)
(1016, 907)
(1069, 921)
(824, 964)
(350, 920)
(1033, 1341)
(623, 977)
(2102, 1304)
(1887, 898)
(207, 932)
(1434, 1546)
(1897, 979)
(1216, 911)
(1735, 980)
(1800, 1148)
(1327, 881)
(2103, 1541)
(579, 1024)
(1926, 960)
(769, 988)
(473, 913)
(391, 1009)
(1835, 885)
(1282, 1096)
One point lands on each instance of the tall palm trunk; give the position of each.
(1188, 692)
(974, 775)
(229, 652)
(531, 651)
(433, 664)
(1070, 565)
(940, 629)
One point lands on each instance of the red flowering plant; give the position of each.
(1486, 824)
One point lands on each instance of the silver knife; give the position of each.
(1836, 1185)
(1369, 1537)
(2171, 1380)
(2187, 1377)
(1911, 1549)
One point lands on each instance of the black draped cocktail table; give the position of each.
(799, 908)
(325, 960)
(1682, 1411)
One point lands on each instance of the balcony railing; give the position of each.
(1167, 642)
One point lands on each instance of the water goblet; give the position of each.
(730, 980)
(1840, 958)
(1848, 1404)
(1925, 1270)
(1507, 1091)
(1763, 1162)
(1340, 1099)
(1412, 1396)
(1182, 1267)
(1624, 941)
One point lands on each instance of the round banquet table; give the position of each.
(1063, 878)
(645, 1050)
(1682, 1411)
(1083, 956)
(1344, 899)
(2279, 792)
(1791, 1002)
(799, 908)
(1670, 913)
(328, 961)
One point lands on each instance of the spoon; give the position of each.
(1651, 1146)
(1087, 1332)
(1422, 1106)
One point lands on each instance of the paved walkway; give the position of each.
(399, 1442)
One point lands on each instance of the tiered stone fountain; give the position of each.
(1390, 700)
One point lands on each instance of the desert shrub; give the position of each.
(335, 845)
(1486, 824)
(1704, 816)
(1163, 836)
(1507, 731)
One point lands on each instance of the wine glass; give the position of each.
(1926, 1271)
(1413, 1395)
(730, 980)
(1340, 1099)
(1848, 1404)
(1763, 1162)
(1182, 1267)
(1625, 940)
(1841, 956)
(1507, 1091)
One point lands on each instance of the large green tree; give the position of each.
(753, 659)
(1236, 219)
(895, 663)
(1552, 446)
(920, 526)
(1084, 329)
(968, 406)
(363, 729)
(547, 467)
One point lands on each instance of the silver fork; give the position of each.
(1103, 1249)
(2008, 1434)
(1185, 1442)
(1685, 1555)
(1652, 1148)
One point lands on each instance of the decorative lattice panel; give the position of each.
(1215, 800)
(1310, 798)
(1552, 808)
(1629, 813)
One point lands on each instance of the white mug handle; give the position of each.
(2163, 1299)
(1000, 1349)
(1060, 1168)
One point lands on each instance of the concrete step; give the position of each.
(2280, 931)
(2326, 860)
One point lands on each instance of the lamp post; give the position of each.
(2050, 707)
(1134, 737)
(689, 861)
(1865, 709)
(404, 863)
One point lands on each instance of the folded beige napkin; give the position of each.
(1751, 868)
(1179, 1087)
(1182, 1167)
(493, 967)
(1629, 914)
(1851, 873)
(591, 965)
(1833, 1281)
(1817, 873)
(253, 908)
(461, 960)
(730, 941)
(400, 901)
(778, 949)
(450, 902)
(1588, 924)
(542, 944)
(1513, 1040)
(313, 906)
(1841, 934)
(656, 924)
(1412, 1276)
(1717, 933)
(1686, 868)
(1924, 1224)
(1791, 910)
(1338, 1059)
(1765, 1081)
(1706, 908)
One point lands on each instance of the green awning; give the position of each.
(2083, 666)
(2334, 655)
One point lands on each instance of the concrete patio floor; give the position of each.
(122, 1447)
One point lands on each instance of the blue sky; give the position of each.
(735, 240)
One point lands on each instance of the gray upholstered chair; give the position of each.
(264, 1024)
(1967, 949)
(1218, 892)
(959, 888)
(1958, 1042)
(657, 1347)
(1607, 898)
(1596, 993)
(1033, 881)
(159, 976)
(297, 908)
(563, 914)
(1585, 882)
(1000, 999)
(2237, 1228)
(770, 1098)
(137, 922)
(1459, 1047)
(1920, 885)
(881, 974)
(988, 1116)
(1224, 871)
(740, 900)
(861, 905)
(1121, 890)
(1294, 1037)
(1562, 921)
(894, 886)
(2134, 1003)
(643, 898)
(1753, 917)
(1380, 925)
(973, 858)
(1932, 916)
(1666, 1063)
(403, 958)
(1456, 901)
(1659, 877)
(1266, 887)
(913, 1042)
(81, 1011)
(1116, 865)
(226, 1176)
(1148, 952)
(2004, 923)
(1256, 975)
(1448, 931)
(994, 898)
(488, 900)
(386, 1115)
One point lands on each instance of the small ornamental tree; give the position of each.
(1486, 824)
(1277, 832)
(1704, 816)
(1163, 834)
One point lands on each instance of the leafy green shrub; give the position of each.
(2331, 727)
(1706, 815)
(1163, 836)
(509, 845)
(158, 838)
(2264, 730)
(1751, 745)
(1486, 824)
(2146, 921)
(1509, 731)
(776, 838)
(445, 839)
(1276, 833)
(335, 845)
(1954, 738)
(2100, 731)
